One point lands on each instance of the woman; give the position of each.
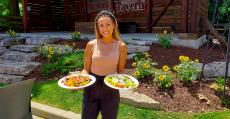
(103, 56)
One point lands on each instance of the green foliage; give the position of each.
(186, 70)
(144, 67)
(64, 64)
(11, 33)
(52, 53)
(48, 69)
(218, 85)
(222, 13)
(70, 62)
(4, 8)
(2, 85)
(138, 56)
(76, 36)
(164, 40)
(164, 77)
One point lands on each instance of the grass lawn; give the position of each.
(51, 94)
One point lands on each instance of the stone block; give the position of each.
(17, 68)
(26, 48)
(9, 79)
(139, 100)
(19, 56)
(137, 48)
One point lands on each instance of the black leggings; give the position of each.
(99, 97)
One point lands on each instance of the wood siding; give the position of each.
(61, 15)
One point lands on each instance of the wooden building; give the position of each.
(184, 16)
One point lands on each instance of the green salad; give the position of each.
(120, 81)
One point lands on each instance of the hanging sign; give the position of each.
(129, 5)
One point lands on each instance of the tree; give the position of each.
(14, 8)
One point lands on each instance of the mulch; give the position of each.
(179, 98)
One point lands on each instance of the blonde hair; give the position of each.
(116, 34)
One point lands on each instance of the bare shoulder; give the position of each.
(122, 44)
(91, 43)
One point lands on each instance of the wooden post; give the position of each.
(194, 17)
(184, 16)
(149, 15)
(25, 17)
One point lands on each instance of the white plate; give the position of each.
(118, 88)
(62, 80)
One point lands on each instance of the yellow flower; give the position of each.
(165, 32)
(146, 54)
(181, 58)
(49, 56)
(136, 73)
(186, 58)
(161, 77)
(175, 68)
(146, 65)
(51, 52)
(134, 64)
(165, 68)
(196, 61)
(73, 44)
(50, 49)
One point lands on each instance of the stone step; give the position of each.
(40, 40)
(137, 48)
(26, 48)
(9, 79)
(17, 68)
(11, 41)
(139, 42)
(139, 100)
(2, 50)
(18, 56)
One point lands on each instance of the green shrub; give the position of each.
(76, 36)
(164, 40)
(144, 67)
(164, 77)
(64, 64)
(186, 70)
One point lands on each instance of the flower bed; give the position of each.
(176, 96)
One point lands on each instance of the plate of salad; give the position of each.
(76, 81)
(121, 81)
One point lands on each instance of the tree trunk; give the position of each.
(14, 8)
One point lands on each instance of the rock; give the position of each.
(202, 98)
(18, 56)
(137, 48)
(17, 68)
(9, 79)
(2, 50)
(12, 41)
(130, 56)
(138, 42)
(26, 48)
(40, 40)
(139, 100)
